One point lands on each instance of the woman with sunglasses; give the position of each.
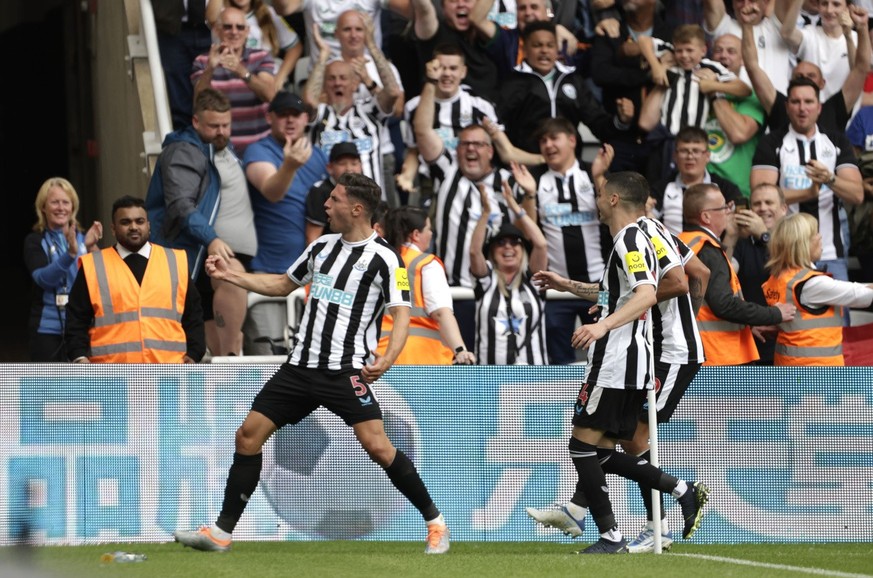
(815, 335)
(510, 311)
(434, 337)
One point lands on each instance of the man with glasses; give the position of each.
(690, 156)
(725, 317)
(245, 75)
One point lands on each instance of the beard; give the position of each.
(220, 143)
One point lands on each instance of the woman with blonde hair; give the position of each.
(815, 335)
(50, 254)
(510, 310)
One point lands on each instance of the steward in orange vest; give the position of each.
(424, 345)
(724, 342)
(815, 335)
(133, 323)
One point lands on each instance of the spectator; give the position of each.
(830, 45)
(617, 66)
(541, 88)
(815, 337)
(691, 156)
(815, 168)
(341, 118)
(725, 317)
(280, 168)
(510, 310)
(134, 302)
(837, 109)
(456, 182)
(765, 30)
(244, 74)
(50, 253)
(860, 134)
(267, 31)
(356, 34)
(681, 93)
(434, 337)
(454, 108)
(456, 28)
(194, 172)
(344, 158)
(503, 42)
(324, 16)
(182, 36)
(561, 198)
(751, 252)
(735, 124)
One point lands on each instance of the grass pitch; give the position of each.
(406, 559)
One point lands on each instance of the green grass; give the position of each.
(405, 559)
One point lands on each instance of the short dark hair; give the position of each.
(379, 214)
(555, 125)
(538, 26)
(211, 99)
(446, 49)
(401, 222)
(692, 134)
(126, 202)
(687, 33)
(362, 188)
(631, 187)
(694, 199)
(803, 81)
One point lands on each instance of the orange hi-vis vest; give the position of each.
(814, 336)
(133, 323)
(724, 342)
(424, 346)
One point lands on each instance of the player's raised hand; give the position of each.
(550, 280)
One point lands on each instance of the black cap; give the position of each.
(507, 229)
(343, 149)
(285, 101)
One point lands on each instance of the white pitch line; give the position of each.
(801, 569)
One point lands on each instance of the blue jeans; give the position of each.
(561, 318)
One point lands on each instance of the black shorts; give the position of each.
(204, 285)
(671, 382)
(613, 411)
(295, 392)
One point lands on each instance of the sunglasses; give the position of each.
(513, 241)
(229, 27)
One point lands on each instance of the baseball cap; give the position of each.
(286, 101)
(343, 149)
(506, 230)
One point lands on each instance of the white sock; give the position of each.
(612, 535)
(218, 533)
(680, 489)
(438, 520)
(576, 510)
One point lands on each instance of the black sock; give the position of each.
(242, 479)
(405, 478)
(646, 493)
(637, 469)
(592, 482)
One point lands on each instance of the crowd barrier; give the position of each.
(130, 453)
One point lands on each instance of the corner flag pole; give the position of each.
(653, 445)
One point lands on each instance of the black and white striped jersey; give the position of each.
(510, 330)
(787, 152)
(623, 358)
(684, 104)
(352, 285)
(458, 207)
(674, 325)
(450, 116)
(567, 214)
(360, 125)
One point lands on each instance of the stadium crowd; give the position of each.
(471, 111)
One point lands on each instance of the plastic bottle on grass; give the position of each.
(122, 557)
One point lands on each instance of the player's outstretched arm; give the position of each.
(274, 285)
